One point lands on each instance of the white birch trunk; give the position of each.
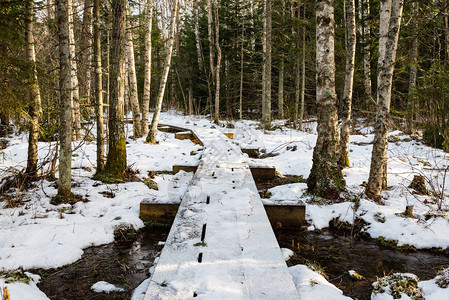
(133, 96)
(390, 23)
(75, 85)
(147, 75)
(349, 82)
(34, 93)
(151, 138)
(326, 179)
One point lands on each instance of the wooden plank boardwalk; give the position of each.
(221, 244)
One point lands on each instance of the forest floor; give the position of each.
(35, 234)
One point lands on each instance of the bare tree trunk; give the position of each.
(365, 32)
(303, 88)
(133, 96)
(34, 93)
(413, 72)
(98, 88)
(116, 159)
(147, 77)
(75, 85)
(86, 48)
(217, 70)
(281, 75)
(241, 71)
(349, 83)
(211, 44)
(266, 98)
(326, 179)
(190, 100)
(65, 86)
(298, 73)
(390, 23)
(151, 138)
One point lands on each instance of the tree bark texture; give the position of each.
(326, 179)
(366, 32)
(65, 90)
(266, 98)
(33, 92)
(151, 138)
(413, 72)
(132, 79)
(75, 84)
(390, 23)
(98, 90)
(86, 49)
(116, 159)
(349, 83)
(148, 62)
(218, 68)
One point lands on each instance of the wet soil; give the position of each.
(337, 255)
(124, 265)
(127, 265)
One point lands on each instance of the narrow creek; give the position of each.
(337, 255)
(127, 265)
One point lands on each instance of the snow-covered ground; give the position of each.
(40, 235)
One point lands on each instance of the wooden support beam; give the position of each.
(177, 168)
(263, 172)
(280, 216)
(229, 135)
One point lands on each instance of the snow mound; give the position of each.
(105, 287)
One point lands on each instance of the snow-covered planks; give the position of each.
(221, 245)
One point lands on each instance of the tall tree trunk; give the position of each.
(34, 93)
(217, 69)
(116, 159)
(390, 23)
(241, 70)
(190, 99)
(86, 49)
(326, 179)
(151, 138)
(133, 96)
(147, 76)
(65, 86)
(413, 72)
(303, 85)
(211, 44)
(297, 71)
(75, 85)
(281, 74)
(98, 90)
(365, 32)
(349, 83)
(266, 98)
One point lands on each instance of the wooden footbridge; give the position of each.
(221, 244)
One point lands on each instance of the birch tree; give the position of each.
(86, 49)
(148, 61)
(65, 90)
(132, 79)
(281, 74)
(34, 93)
(326, 179)
(413, 72)
(349, 82)
(365, 32)
(390, 23)
(218, 67)
(75, 85)
(151, 138)
(116, 158)
(266, 78)
(98, 90)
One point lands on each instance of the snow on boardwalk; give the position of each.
(221, 244)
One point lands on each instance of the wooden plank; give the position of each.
(221, 244)
(265, 173)
(185, 168)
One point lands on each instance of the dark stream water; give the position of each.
(127, 266)
(337, 255)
